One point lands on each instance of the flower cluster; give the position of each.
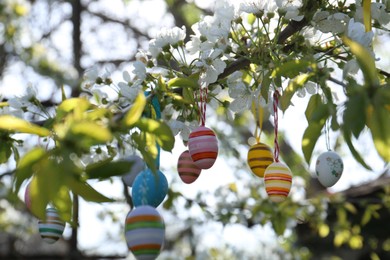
(245, 31)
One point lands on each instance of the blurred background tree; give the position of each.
(59, 47)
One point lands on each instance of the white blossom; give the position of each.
(334, 23)
(351, 67)
(310, 87)
(211, 66)
(241, 94)
(378, 13)
(290, 8)
(357, 32)
(258, 7)
(165, 38)
(24, 101)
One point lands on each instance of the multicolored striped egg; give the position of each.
(329, 168)
(203, 147)
(260, 156)
(187, 169)
(149, 188)
(144, 232)
(137, 167)
(277, 179)
(52, 228)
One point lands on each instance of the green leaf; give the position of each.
(354, 116)
(265, 84)
(314, 102)
(45, 184)
(160, 129)
(365, 61)
(91, 130)
(88, 193)
(347, 137)
(378, 120)
(76, 105)
(40, 198)
(15, 124)
(134, 114)
(25, 167)
(63, 203)
(183, 83)
(292, 87)
(309, 139)
(147, 148)
(291, 68)
(108, 169)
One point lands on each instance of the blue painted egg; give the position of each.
(137, 167)
(149, 188)
(144, 232)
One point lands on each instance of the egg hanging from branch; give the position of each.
(187, 169)
(149, 188)
(277, 180)
(52, 228)
(259, 157)
(329, 168)
(144, 232)
(203, 147)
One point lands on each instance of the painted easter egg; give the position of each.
(260, 156)
(277, 180)
(149, 188)
(27, 197)
(137, 167)
(144, 232)
(52, 228)
(187, 169)
(203, 147)
(329, 168)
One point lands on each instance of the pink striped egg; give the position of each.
(52, 228)
(203, 147)
(187, 169)
(277, 180)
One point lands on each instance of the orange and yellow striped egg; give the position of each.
(188, 171)
(52, 228)
(260, 156)
(278, 180)
(203, 147)
(144, 232)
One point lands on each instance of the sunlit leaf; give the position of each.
(63, 203)
(92, 130)
(25, 167)
(77, 105)
(183, 83)
(15, 124)
(379, 124)
(365, 61)
(314, 102)
(134, 114)
(149, 154)
(160, 129)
